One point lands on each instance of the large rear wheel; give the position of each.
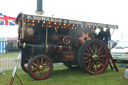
(93, 57)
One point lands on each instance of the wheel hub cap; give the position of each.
(41, 67)
(95, 56)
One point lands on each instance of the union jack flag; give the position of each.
(7, 20)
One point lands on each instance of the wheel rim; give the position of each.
(24, 62)
(40, 67)
(95, 57)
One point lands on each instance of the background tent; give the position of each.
(3, 43)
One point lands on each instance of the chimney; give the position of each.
(39, 10)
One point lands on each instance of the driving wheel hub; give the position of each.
(95, 56)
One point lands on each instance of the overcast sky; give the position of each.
(100, 11)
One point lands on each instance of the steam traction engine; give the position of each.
(46, 40)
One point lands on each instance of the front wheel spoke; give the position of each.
(35, 64)
(38, 61)
(35, 71)
(43, 72)
(39, 73)
(87, 60)
(87, 54)
(42, 61)
(45, 62)
(46, 66)
(100, 63)
(34, 68)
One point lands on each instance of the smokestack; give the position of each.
(39, 10)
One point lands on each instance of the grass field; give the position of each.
(63, 76)
(9, 54)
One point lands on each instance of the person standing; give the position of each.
(102, 34)
(107, 35)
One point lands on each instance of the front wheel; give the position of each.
(40, 67)
(93, 57)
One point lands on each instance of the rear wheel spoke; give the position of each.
(102, 55)
(86, 58)
(99, 52)
(87, 61)
(100, 63)
(92, 64)
(88, 50)
(89, 64)
(87, 54)
(91, 49)
(96, 66)
(100, 59)
(99, 49)
(95, 48)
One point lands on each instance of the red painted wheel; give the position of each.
(40, 67)
(24, 61)
(93, 57)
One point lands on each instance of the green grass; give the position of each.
(64, 76)
(9, 54)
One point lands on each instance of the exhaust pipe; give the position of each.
(39, 10)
